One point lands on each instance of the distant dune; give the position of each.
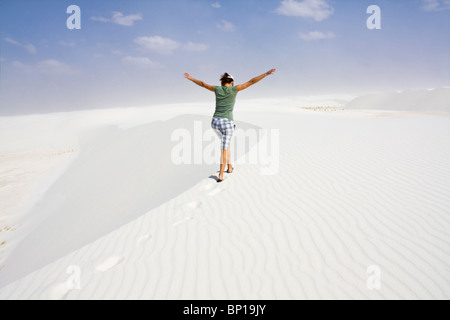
(435, 100)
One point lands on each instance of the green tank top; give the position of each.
(225, 100)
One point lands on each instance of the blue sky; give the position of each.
(134, 52)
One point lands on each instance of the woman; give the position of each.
(223, 121)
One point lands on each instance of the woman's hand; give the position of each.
(268, 73)
(188, 76)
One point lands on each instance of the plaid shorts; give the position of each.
(224, 129)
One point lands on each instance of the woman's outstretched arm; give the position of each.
(254, 80)
(199, 83)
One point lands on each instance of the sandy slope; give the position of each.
(352, 190)
(433, 100)
(118, 176)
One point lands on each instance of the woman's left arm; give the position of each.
(199, 83)
(255, 80)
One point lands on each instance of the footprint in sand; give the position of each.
(215, 191)
(109, 263)
(186, 215)
(182, 221)
(193, 205)
(209, 186)
(143, 239)
(58, 291)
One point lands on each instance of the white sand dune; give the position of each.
(433, 100)
(351, 191)
(118, 176)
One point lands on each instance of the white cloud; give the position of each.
(316, 35)
(435, 5)
(12, 41)
(318, 10)
(226, 26)
(195, 47)
(67, 43)
(216, 5)
(157, 44)
(140, 62)
(49, 66)
(120, 18)
(166, 46)
(29, 47)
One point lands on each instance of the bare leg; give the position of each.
(230, 166)
(223, 164)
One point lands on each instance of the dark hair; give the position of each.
(226, 78)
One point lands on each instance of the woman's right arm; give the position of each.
(199, 83)
(254, 80)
